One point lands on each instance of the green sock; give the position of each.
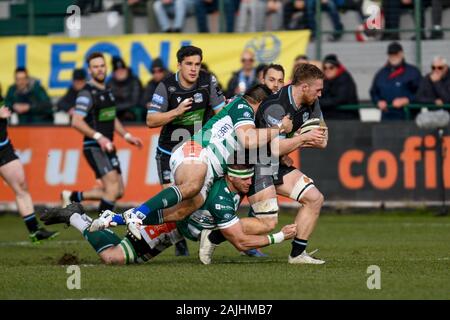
(165, 199)
(101, 240)
(152, 209)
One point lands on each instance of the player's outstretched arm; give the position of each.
(243, 242)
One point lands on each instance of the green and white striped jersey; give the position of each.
(218, 211)
(218, 135)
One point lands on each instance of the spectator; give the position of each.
(67, 102)
(291, 18)
(339, 88)
(254, 15)
(205, 7)
(126, 89)
(437, 6)
(392, 10)
(301, 58)
(89, 6)
(159, 72)
(435, 87)
(395, 84)
(164, 9)
(204, 67)
(29, 99)
(330, 7)
(202, 9)
(244, 78)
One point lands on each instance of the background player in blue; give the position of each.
(181, 105)
(11, 170)
(95, 117)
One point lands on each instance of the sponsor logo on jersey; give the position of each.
(240, 106)
(107, 114)
(156, 106)
(223, 207)
(157, 98)
(172, 89)
(273, 121)
(247, 114)
(198, 97)
(178, 99)
(228, 216)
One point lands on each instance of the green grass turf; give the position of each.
(412, 250)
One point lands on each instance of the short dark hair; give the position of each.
(257, 93)
(277, 67)
(188, 51)
(301, 56)
(21, 69)
(306, 72)
(93, 56)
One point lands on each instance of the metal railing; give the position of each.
(407, 108)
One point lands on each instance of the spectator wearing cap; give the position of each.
(339, 89)
(159, 72)
(67, 102)
(435, 86)
(28, 99)
(395, 85)
(243, 78)
(127, 90)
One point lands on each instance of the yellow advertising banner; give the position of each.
(52, 59)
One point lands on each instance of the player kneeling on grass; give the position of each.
(219, 211)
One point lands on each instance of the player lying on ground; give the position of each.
(300, 99)
(203, 159)
(11, 170)
(219, 211)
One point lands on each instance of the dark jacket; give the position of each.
(233, 83)
(41, 109)
(67, 102)
(336, 92)
(149, 90)
(395, 82)
(430, 91)
(127, 94)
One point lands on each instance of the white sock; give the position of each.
(77, 221)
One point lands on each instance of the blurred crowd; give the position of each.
(397, 85)
(262, 15)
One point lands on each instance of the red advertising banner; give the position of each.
(53, 160)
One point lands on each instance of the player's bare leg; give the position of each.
(14, 175)
(299, 187)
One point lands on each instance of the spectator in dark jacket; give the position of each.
(127, 90)
(28, 99)
(395, 85)
(159, 72)
(243, 78)
(67, 102)
(435, 87)
(339, 88)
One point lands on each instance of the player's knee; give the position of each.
(190, 189)
(314, 200)
(267, 212)
(271, 223)
(21, 188)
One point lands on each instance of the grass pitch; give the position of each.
(411, 249)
